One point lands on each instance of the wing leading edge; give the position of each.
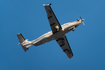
(54, 23)
(65, 46)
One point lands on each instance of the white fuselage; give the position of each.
(49, 36)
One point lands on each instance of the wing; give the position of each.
(65, 46)
(55, 26)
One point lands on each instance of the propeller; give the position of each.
(82, 21)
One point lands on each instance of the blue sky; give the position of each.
(29, 18)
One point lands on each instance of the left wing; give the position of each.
(65, 46)
(54, 24)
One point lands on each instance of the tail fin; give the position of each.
(24, 43)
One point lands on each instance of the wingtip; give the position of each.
(69, 57)
(18, 33)
(46, 4)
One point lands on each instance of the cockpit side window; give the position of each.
(77, 19)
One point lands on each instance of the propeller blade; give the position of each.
(83, 23)
(80, 18)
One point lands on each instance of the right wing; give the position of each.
(54, 24)
(62, 41)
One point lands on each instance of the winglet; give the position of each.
(46, 4)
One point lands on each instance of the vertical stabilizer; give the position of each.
(20, 37)
(24, 43)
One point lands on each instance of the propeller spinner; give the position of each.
(82, 21)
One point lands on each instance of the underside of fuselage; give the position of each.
(47, 37)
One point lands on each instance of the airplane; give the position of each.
(58, 33)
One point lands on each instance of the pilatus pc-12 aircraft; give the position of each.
(58, 33)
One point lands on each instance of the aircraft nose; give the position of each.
(82, 21)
